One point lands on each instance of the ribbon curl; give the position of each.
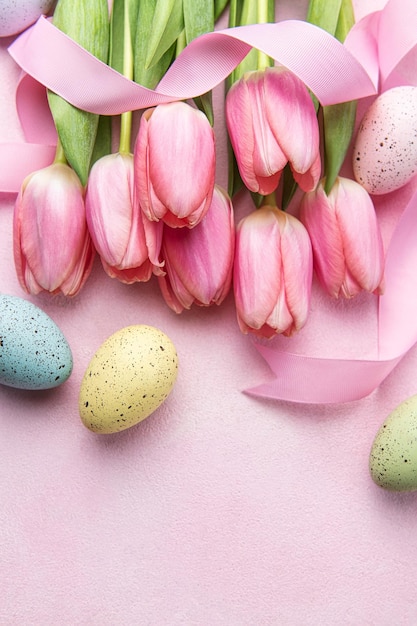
(375, 56)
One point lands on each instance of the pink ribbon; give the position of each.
(51, 59)
(326, 66)
(17, 160)
(378, 53)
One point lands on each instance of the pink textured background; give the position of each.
(219, 509)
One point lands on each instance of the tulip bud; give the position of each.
(272, 273)
(52, 247)
(175, 164)
(199, 261)
(271, 121)
(128, 244)
(346, 239)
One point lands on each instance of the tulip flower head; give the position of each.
(52, 247)
(346, 239)
(271, 121)
(127, 242)
(175, 164)
(199, 261)
(272, 273)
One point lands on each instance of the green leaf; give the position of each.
(167, 25)
(244, 12)
(338, 119)
(205, 104)
(289, 187)
(77, 132)
(102, 145)
(219, 7)
(148, 76)
(346, 20)
(338, 123)
(235, 12)
(88, 24)
(324, 13)
(198, 18)
(117, 30)
(235, 182)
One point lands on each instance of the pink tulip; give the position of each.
(272, 273)
(175, 164)
(127, 242)
(52, 247)
(199, 261)
(347, 244)
(272, 121)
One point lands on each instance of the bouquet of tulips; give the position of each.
(148, 203)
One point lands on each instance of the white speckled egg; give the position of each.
(129, 376)
(17, 15)
(393, 458)
(385, 147)
(34, 353)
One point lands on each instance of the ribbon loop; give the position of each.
(322, 63)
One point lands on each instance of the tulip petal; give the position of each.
(258, 154)
(362, 241)
(76, 280)
(198, 261)
(169, 296)
(239, 125)
(293, 301)
(52, 224)
(153, 237)
(125, 239)
(297, 256)
(257, 275)
(317, 214)
(109, 206)
(346, 239)
(141, 167)
(272, 273)
(292, 118)
(131, 275)
(280, 320)
(308, 180)
(181, 157)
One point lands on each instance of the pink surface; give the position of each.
(219, 509)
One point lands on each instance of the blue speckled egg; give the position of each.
(34, 353)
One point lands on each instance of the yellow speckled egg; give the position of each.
(129, 376)
(393, 458)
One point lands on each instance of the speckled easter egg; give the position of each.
(129, 376)
(385, 147)
(17, 15)
(393, 458)
(34, 353)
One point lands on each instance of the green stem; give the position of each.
(269, 200)
(180, 43)
(262, 18)
(126, 118)
(233, 14)
(59, 153)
